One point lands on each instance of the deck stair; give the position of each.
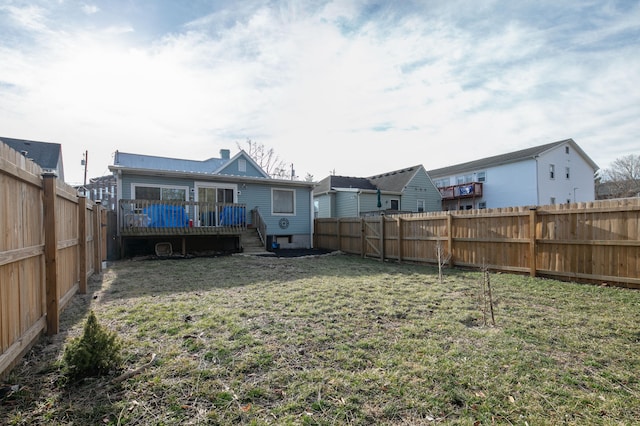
(251, 243)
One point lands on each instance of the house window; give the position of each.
(441, 183)
(552, 171)
(566, 149)
(482, 205)
(395, 204)
(481, 176)
(242, 165)
(552, 200)
(420, 206)
(461, 180)
(283, 201)
(568, 172)
(159, 193)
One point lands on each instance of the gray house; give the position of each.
(215, 204)
(47, 155)
(408, 190)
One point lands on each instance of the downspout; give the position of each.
(358, 201)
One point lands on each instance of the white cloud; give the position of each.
(90, 9)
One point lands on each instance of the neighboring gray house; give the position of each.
(408, 190)
(554, 173)
(45, 154)
(210, 203)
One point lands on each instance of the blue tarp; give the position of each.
(166, 216)
(232, 215)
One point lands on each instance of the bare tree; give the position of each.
(266, 158)
(486, 299)
(623, 176)
(443, 259)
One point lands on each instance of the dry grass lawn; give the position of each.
(340, 340)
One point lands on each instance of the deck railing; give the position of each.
(151, 217)
(260, 225)
(467, 190)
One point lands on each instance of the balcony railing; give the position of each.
(467, 190)
(155, 217)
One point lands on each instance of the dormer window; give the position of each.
(242, 165)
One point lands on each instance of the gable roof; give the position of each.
(45, 154)
(247, 157)
(343, 182)
(508, 158)
(396, 180)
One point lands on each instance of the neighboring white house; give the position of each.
(554, 173)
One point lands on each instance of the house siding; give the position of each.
(346, 204)
(252, 195)
(369, 202)
(420, 187)
(232, 168)
(511, 185)
(325, 205)
(560, 188)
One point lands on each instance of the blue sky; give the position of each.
(359, 87)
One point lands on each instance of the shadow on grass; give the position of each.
(160, 277)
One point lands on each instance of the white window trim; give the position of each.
(214, 185)
(394, 199)
(157, 185)
(242, 165)
(294, 202)
(419, 203)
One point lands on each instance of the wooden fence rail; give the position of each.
(587, 242)
(50, 244)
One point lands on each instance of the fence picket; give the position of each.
(38, 275)
(588, 242)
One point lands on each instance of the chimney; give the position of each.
(225, 154)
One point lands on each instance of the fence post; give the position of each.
(450, 238)
(400, 237)
(532, 242)
(363, 247)
(51, 253)
(97, 231)
(381, 237)
(82, 243)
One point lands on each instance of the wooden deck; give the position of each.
(145, 218)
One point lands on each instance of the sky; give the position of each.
(350, 87)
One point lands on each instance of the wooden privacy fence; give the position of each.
(50, 244)
(588, 242)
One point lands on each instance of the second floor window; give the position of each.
(552, 171)
(568, 173)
